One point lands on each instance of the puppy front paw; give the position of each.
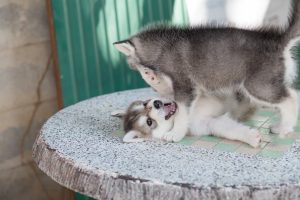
(150, 77)
(254, 138)
(172, 137)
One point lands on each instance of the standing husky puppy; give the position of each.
(216, 61)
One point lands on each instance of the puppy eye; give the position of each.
(145, 104)
(149, 122)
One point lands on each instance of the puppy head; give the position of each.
(140, 52)
(144, 55)
(144, 119)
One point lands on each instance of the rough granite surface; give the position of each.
(82, 134)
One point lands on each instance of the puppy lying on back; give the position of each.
(144, 120)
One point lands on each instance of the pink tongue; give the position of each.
(169, 108)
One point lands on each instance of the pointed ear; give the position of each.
(118, 113)
(125, 46)
(133, 136)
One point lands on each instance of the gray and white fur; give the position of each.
(220, 61)
(151, 119)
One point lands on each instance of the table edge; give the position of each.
(108, 185)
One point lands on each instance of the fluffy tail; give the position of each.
(293, 31)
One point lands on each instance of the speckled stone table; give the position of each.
(77, 149)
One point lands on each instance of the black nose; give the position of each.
(157, 104)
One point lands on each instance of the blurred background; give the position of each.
(54, 53)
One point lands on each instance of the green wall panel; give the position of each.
(85, 30)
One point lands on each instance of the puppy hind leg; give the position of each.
(288, 109)
(282, 98)
(226, 127)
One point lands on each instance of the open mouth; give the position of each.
(170, 109)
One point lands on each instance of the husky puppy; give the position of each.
(153, 118)
(209, 62)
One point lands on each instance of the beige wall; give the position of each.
(24, 53)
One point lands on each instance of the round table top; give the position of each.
(77, 149)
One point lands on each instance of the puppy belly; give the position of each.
(199, 127)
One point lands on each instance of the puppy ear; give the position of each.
(118, 113)
(125, 46)
(133, 136)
